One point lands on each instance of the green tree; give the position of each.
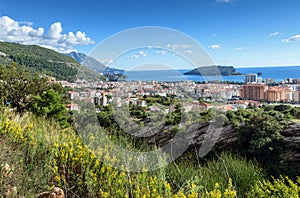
(50, 105)
(19, 85)
(260, 138)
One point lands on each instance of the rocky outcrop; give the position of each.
(195, 136)
(226, 139)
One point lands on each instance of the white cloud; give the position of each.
(224, 1)
(55, 31)
(54, 38)
(179, 46)
(134, 56)
(163, 52)
(138, 55)
(188, 52)
(292, 38)
(142, 53)
(241, 48)
(153, 46)
(27, 23)
(214, 47)
(274, 34)
(36, 33)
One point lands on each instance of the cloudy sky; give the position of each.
(232, 32)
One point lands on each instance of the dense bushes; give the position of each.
(260, 138)
(25, 91)
(260, 135)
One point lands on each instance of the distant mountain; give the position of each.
(92, 63)
(213, 71)
(89, 62)
(41, 59)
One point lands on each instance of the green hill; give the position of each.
(213, 71)
(44, 60)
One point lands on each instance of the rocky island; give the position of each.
(213, 71)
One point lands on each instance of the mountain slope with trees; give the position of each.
(44, 60)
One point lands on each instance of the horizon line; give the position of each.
(178, 69)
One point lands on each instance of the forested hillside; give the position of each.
(44, 60)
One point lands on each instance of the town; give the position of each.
(223, 96)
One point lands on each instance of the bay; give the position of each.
(278, 73)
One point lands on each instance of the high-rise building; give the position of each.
(250, 78)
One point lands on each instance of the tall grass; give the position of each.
(26, 154)
(244, 174)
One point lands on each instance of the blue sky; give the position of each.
(232, 32)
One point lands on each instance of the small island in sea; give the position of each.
(214, 70)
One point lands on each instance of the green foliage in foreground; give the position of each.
(24, 91)
(282, 187)
(43, 155)
(50, 104)
(18, 85)
(260, 135)
(244, 174)
(261, 138)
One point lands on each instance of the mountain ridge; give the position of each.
(92, 63)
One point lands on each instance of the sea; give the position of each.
(278, 73)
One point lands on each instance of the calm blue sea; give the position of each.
(277, 73)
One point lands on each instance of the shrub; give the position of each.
(281, 187)
(260, 138)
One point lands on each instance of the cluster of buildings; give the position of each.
(254, 89)
(262, 92)
(232, 96)
(136, 92)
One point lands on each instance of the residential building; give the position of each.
(296, 96)
(278, 94)
(253, 92)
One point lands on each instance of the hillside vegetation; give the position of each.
(42, 155)
(44, 60)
